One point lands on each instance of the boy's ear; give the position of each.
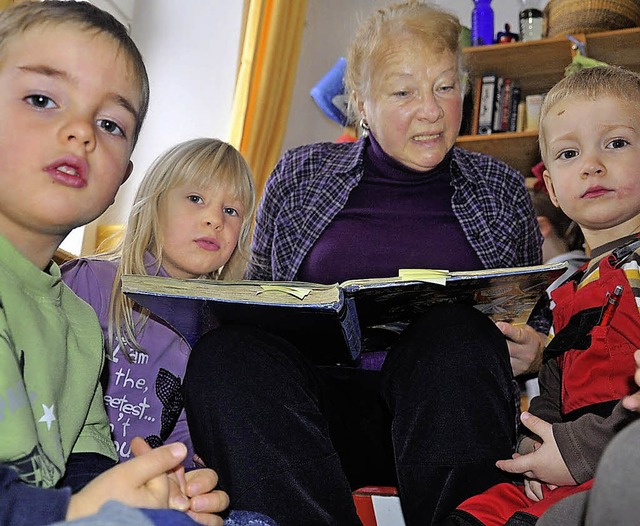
(128, 172)
(545, 226)
(549, 184)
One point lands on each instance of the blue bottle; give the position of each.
(482, 23)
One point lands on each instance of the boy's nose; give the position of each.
(80, 131)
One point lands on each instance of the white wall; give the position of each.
(191, 51)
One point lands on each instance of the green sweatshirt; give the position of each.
(50, 361)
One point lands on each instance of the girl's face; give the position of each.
(414, 107)
(592, 165)
(199, 229)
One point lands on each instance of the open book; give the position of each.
(326, 321)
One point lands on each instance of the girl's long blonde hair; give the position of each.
(203, 162)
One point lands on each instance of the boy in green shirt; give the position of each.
(73, 96)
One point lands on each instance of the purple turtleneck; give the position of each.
(395, 218)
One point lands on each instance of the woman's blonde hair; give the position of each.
(205, 162)
(428, 24)
(591, 84)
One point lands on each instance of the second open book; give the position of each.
(326, 321)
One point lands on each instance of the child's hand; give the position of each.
(632, 402)
(545, 464)
(192, 492)
(525, 347)
(141, 482)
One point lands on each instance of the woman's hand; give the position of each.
(525, 347)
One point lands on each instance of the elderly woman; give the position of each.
(433, 414)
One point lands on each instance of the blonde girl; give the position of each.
(191, 218)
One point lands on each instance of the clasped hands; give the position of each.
(538, 460)
(155, 478)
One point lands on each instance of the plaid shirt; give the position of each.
(311, 184)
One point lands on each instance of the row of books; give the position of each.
(498, 99)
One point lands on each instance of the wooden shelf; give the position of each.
(536, 66)
(519, 150)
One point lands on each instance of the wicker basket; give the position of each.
(590, 16)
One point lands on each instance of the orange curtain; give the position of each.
(266, 74)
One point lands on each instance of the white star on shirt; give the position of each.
(48, 416)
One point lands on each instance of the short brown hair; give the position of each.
(590, 83)
(20, 17)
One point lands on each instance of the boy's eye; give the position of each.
(111, 127)
(618, 143)
(195, 199)
(567, 154)
(40, 101)
(231, 211)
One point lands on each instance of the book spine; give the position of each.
(497, 108)
(513, 111)
(487, 99)
(506, 104)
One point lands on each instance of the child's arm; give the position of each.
(22, 504)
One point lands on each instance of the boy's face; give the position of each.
(593, 165)
(68, 103)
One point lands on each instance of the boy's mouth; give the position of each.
(69, 171)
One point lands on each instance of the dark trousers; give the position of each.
(291, 440)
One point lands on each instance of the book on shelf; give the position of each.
(326, 321)
(497, 105)
(487, 104)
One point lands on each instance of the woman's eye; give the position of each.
(231, 211)
(401, 93)
(111, 127)
(40, 101)
(195, 199)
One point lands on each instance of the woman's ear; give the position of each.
(550, 189)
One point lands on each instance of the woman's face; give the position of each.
(414, 104)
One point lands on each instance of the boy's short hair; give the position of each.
(20, 17)
(591, 83)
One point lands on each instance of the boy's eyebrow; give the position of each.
(48, 71)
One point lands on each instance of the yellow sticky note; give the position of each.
(299, 292)
(430, 275)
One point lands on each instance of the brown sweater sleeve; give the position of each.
(582, 441)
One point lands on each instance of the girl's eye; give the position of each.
(40, 101)
(567, 154)
(111, 127)
(195, 199)
(618, 143)
(230, 211)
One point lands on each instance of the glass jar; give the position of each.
(531, 20)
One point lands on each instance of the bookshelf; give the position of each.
(536, 66)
